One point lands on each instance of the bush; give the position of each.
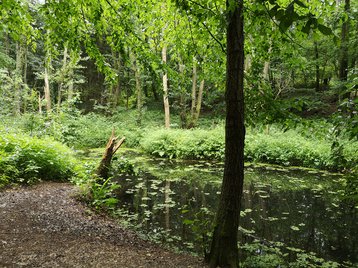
(282, 148)
(187, 144)
(25, 159)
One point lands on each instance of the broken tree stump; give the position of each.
(111, 148)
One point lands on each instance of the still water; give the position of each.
(175, 201)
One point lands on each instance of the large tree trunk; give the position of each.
(165, 89)
(224, 250)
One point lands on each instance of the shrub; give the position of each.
(283, 148)
(25, 159)
(189, 144)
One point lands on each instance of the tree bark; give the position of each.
(111, 148)
(165, 89)
(224, 250)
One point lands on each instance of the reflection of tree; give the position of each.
(167, 202)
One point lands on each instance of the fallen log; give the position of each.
(111, 148)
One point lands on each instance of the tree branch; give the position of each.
(217, 41)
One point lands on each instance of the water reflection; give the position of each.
(300, 209)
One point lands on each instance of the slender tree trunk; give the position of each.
(193, 89)
(317, 66)
(63, 78)
(47, 91)
(343, 64)
(198, 103)
(117, 87)
(182, 102)
(40, 104)
(224, 250)
(25, 64)
(247, 63)
(18, 79)
(267, 63)
(138, 87)
(165, 89)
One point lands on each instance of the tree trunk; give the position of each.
(182, 102)
(117, 87)
(111, 148)
(199, 101)
(224, 250)
(63, 78)
(267, 63)
(317, 66)
(40, 104)
(193, 89)
(138, 87)
(343, 64)
(18, 79)
(73, 57)
(25, 52)
(165, 89)
(47, 90)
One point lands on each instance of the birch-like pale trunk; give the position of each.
(199, 101)
(193, 89)
(63, 78)
(165, 89)
(47, 91)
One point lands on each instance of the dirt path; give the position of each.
(44, 226)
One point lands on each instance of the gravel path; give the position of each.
(44, 226)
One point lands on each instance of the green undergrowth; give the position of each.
(268, 254)
(307, 143)
(283, 148)
(26, 159)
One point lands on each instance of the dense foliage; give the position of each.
(26, 159)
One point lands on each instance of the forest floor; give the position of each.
(45, 226)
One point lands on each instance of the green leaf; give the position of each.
(188, 222)
(324, 29)
(298, 2)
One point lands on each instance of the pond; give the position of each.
(175, 201)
